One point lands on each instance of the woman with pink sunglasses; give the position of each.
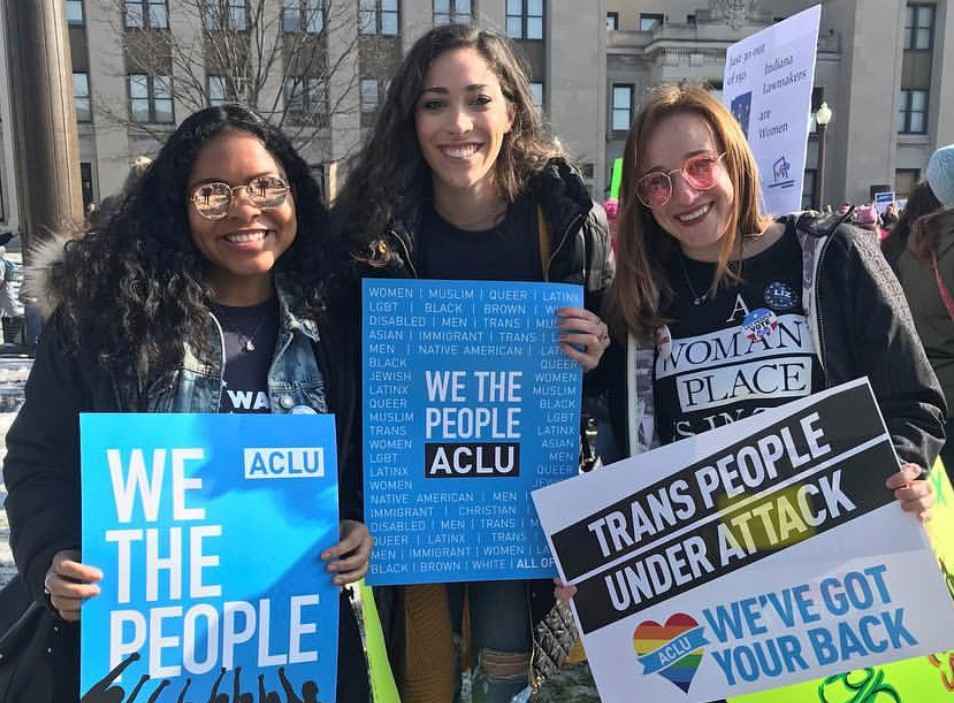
(719, 312)
(707, 286)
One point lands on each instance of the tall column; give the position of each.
(942, 88)
(342, 33)
(45, 145)
(188, 65)
(575, 90)
(869, 136)
(492, 14)
(417, 17)
(9, 185)
(107, 68)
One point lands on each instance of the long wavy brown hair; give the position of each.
(390, 178)
(926, 233)
(641, 286)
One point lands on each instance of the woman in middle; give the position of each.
(459, 181)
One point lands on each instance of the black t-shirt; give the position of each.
(250, 336)
(746, 349)
(508, 252)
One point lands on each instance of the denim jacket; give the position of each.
(294, 378)
(41, 470)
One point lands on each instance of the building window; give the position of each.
(648, 21)
(225, 89)
(303, 16)
(691, 20)
(86, 183)
(912, 111)
(612, 21)
(147, 14)
(74, 13)
(84, 112)
(808, 189)
(306, 101)
(525, 19)
(378, 17)
(453, 12)
(536, 92)
(919, 27)
(150, 98)
(369, 95)
(216, 90)
(905, 180)
(226, 14)
(622, 107)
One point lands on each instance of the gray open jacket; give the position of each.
(860, 324)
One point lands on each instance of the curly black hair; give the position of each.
(134, 290)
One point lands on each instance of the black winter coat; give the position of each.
(580, 253)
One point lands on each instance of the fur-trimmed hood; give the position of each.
(38, 285)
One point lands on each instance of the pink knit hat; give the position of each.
(865, 215)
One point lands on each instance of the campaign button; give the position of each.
(758, 324)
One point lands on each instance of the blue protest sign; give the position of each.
(209, 530)
(469, 404)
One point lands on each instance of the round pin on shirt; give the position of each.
(780, 296)
(664, 342)
(758, 324)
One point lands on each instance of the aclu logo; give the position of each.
(782, 174)
(284, 462)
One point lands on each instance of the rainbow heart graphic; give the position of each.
(673, 650)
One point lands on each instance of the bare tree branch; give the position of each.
(260, 54)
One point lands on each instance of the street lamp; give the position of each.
(822, 118)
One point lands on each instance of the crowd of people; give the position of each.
(221, 268)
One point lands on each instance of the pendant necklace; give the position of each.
(696, 298)
(249, 344)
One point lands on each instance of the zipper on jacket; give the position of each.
(818, 309)
(566, 234)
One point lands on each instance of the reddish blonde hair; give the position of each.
(641, 285)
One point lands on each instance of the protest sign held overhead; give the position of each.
(468, 405)
(754, 556)
(767, 85)
(209, 530)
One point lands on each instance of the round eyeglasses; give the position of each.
(655, 189)
(213, 200)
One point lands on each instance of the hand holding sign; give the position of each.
(915, 496)
(348, 559)
(70, 583)
(583, 336)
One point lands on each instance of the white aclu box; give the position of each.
(284, 462)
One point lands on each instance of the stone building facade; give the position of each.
(885, 67)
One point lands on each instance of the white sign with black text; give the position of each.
(756, 555)
(768, 87)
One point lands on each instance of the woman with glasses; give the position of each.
(701, 266)
(209, 290)
(718, 312)
(460, 181)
